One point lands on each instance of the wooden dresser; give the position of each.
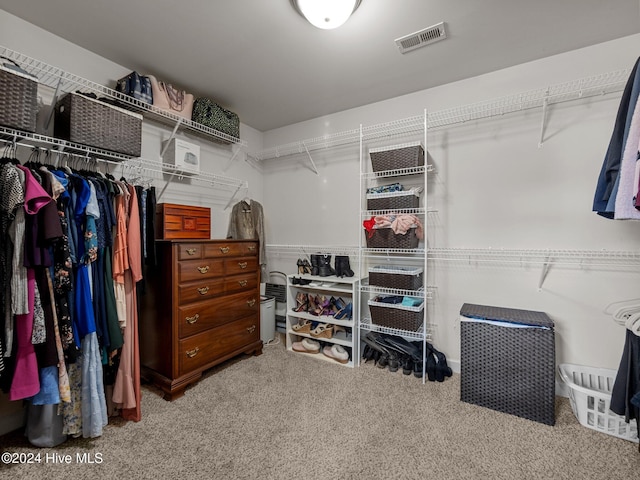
(201, 306)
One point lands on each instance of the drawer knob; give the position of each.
(204, 269)
(243, 283)
(251, 302)
(242, 265)
(203, 290)
(191, 251)
(251, 329)
(194, 319)
(192, 353)
(224, 249)
(252, 248)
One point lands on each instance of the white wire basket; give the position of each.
(590, 396)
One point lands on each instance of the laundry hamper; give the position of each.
(590, 397)
(395, 157)
(507, 361)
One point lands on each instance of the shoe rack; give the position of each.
(337, 331)
(409, 131)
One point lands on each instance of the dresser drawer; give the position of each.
(241, 283)
(204, 289)
(199, 350)
(234, 266)
(189, 251)
(191, 270)
(201, 316)
(231, 249)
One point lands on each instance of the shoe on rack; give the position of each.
(324, 267)
(300, 267)
(323, 330)
(343, 268)
(302, 302)
(345, 314)
(306, 346)
(315, 265)
(337, 353)
(302, 327)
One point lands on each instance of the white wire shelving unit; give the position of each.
(306, 250)
(593, 86)
(62, 81)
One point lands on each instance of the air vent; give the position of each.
(421, 38)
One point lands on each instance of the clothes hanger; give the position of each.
(624, 313)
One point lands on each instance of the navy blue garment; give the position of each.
(626, 388)
(613, 157)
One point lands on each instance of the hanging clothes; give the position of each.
(246, 222)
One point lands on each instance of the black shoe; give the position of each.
(315, 265)
(343, 269)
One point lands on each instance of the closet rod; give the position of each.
(313, 249)
(596, 85)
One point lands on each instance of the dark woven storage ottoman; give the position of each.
(508, 361)
(395, 157)
(386, 238)
(396, 315)
(402, 278)
(87, 121)
(18, 100)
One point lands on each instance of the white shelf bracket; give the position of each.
(545, 105)
(233, 157)
(56, 94)
(543, 274)
(234, 195)
(168, 141)
(313, 165)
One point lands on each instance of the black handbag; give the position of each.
(210, 114)
(136, 86)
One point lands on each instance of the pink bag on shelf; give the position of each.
(168, 98)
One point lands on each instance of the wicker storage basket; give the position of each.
(18, 100)
(396, 315)
(406, 155)
(402, 278)
(87, 121)
(386, 238)
(590, 396)
(393, 200)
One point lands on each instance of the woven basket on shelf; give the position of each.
(401, 278)
(87, 121)
(396, 315)
(386, 238)
(407, 155)
(18, 100)
(393, 200)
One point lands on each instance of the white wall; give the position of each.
(493, 188)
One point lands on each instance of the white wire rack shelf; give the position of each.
(62, 81)
(398, 172)
(313, 249)
(394, 252)
(541, 257)
(26, 139)
(587, 87)
(421, 293)
(367, 324)
(408, 211)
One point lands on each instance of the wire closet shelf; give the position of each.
(63, 81)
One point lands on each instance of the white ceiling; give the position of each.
(262, 60)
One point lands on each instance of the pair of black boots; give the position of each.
(321, 266)
(395, 352)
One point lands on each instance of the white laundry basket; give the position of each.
(590, 396)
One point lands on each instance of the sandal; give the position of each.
(306, 346)
(337, 353)
(323, 330)
(302, 327)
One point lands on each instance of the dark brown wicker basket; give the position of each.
(402, 278)
(18, 101)
(386, 238)
(396, 316)
(407, 155)
(90, 122)
(393, 201)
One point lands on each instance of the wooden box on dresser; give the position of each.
(201, 306)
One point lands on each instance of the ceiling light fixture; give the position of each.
(326, 14)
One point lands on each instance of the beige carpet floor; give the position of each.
(284, 415)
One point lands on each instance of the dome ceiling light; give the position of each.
(326, 14)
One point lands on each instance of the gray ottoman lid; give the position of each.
(502, 314)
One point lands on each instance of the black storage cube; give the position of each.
(508, 361)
